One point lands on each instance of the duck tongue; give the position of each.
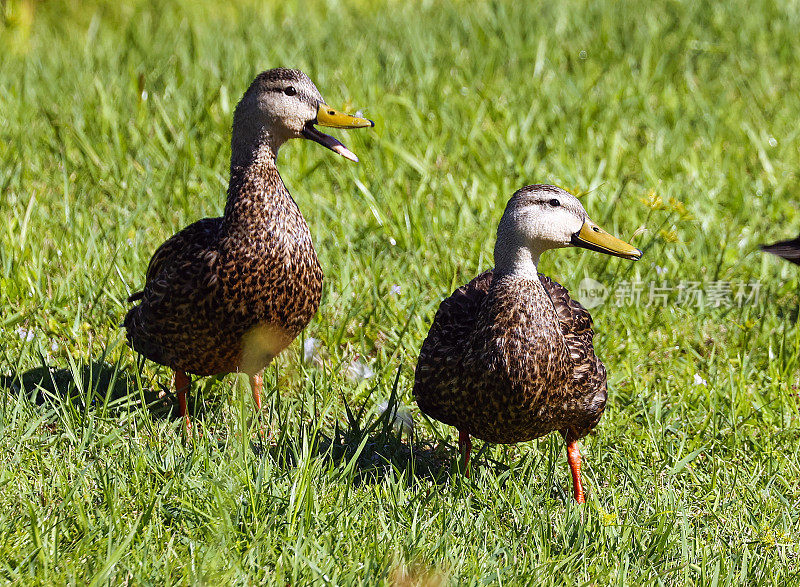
(310, 132)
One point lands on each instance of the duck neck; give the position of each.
(518, 291)
(255, 182)
(252, 143)
(516, 260)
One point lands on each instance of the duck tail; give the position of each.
(135, 297)
(789, 249)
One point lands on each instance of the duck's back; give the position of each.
(513, 373)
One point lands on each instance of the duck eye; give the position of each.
(289, 91)
(555, 203)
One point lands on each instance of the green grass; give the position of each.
(114, 134)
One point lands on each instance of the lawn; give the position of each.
(677, 122)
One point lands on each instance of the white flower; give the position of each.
(392, 241)
(311, 348)
(699, 380)
(660, 270)
(401, 416)
(54, 346)
(26, 335)
(358, 371)
(395, 290)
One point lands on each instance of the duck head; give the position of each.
(283, 104)
(542, 217)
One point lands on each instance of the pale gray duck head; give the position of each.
(542, 217)
(285, 104)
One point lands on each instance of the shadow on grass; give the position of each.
(379, 449)
(366, 455)
(374, 447)
(367, 446)
(97, 385)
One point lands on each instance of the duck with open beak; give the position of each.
(327, 116)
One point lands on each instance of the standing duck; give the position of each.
(789, 249)
(509, 356)
(228, 294)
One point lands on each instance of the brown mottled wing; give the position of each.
(444, 346)
(171, 249)
(789, 250)
(576, 326)
(180, 278)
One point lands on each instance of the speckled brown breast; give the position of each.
(510, 359)
(252, 272)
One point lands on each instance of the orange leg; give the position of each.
(256, 385)
(574, 460)
(465, 448)
(182, 383)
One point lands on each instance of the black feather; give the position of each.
(788, 249)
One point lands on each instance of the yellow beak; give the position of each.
(594, 238)
(327, 116)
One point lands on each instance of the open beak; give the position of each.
(594, 238)
(327, 116)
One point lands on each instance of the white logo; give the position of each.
(591, 293)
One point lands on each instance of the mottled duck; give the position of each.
(509, 356)
(228, 294)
